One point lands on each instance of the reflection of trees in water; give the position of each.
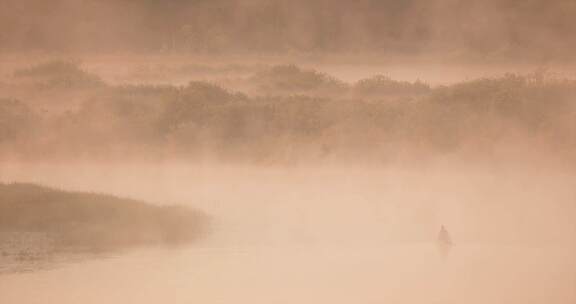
(33, 251)
(25, 251)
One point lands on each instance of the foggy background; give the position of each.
(501, 30)
(275, 151)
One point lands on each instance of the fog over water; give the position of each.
(275, 151)
(327, 234)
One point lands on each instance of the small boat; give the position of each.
(444, 241)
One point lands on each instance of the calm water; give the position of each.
(322, 236)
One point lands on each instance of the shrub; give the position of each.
(380, 85)
(292, 79)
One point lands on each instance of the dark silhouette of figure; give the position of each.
(444, 242)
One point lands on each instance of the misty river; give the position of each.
(328, 235)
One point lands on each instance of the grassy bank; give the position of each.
(88, 221)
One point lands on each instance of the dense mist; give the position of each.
(287, 151)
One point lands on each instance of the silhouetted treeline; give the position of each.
(508, 29)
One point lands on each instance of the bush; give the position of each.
(292, 79)
(380, 85)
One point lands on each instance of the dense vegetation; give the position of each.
(288, 113)
(88, 221)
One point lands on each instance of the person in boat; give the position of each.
(444, 242)
(444, 237)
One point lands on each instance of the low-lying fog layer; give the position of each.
(319, 234)
(318, 189)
